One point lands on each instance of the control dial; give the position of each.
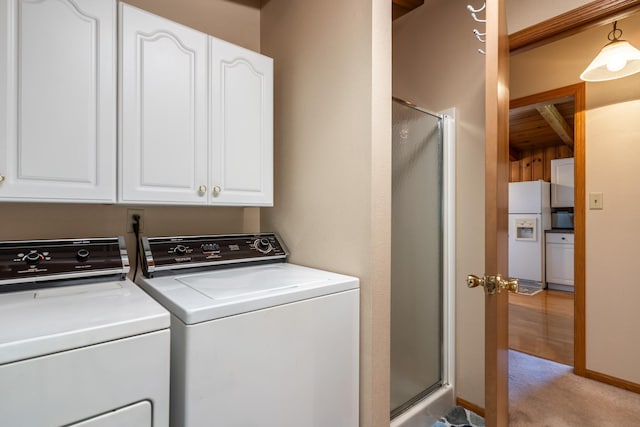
(82, 255)
(180, 250)
(263, 245)
(32, 258)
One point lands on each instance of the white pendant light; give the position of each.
(616, 59)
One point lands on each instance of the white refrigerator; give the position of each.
(529, 217)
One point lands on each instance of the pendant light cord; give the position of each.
(615, 34)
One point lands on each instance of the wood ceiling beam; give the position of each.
(552, 116)
(517, 108)
(402, 7)
(409, 4)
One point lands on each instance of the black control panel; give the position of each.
(168, 253)
(38, 260)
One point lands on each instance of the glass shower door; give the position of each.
(416, 260)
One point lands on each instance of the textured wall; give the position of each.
(333, 157)
(525, 13)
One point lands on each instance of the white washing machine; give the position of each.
(80, 345)
(255, 341)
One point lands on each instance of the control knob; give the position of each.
(32, 258)
(180, 250)
(263, 245)
(82, 255)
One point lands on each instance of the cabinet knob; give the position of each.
(202, 189)
(217, 190)
(1, 178)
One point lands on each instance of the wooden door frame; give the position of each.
(594, 14)
(498, 45)
(578, 91)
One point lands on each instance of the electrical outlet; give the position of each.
(595, 200)
(130, 214)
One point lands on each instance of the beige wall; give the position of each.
(333, 157)
(525, 13)
(612, 156)
(436, 66)
(235, 21)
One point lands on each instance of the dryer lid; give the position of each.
(45, 321)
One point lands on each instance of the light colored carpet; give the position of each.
(547, 394)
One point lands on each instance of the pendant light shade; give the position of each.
(616, 59)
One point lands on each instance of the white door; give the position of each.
(163, 141)
(58, 100)
(241, 126)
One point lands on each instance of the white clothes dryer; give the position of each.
(80, 345)
(255, 341)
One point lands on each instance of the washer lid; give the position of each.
(209, 295)
(44, 321)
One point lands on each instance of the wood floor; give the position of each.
(542, 325)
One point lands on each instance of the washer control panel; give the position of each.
(38, 260)
(168, 253)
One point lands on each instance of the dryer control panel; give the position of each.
(170, 253)
(44, 260)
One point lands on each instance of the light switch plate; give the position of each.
(595, 200)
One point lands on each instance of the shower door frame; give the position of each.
(444, 398)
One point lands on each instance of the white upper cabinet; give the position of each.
(58, 100)
(163, 110)
(196, 117)
(241, 125)
(562, 186)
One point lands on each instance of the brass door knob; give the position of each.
(493, 284)
(202, 189)
(217, 190)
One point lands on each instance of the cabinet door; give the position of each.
(562, 187)
(136, 415)
(241, 126)
(560, 263)
(163, 93)
(58, 100)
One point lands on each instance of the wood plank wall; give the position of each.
(536, 164)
